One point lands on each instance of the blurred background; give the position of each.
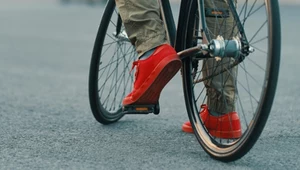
(46, 122)
(94, 2)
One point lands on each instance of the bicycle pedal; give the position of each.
(141, 109)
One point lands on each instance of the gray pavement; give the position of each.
(46, 122)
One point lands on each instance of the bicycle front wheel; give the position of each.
(110, 77)
(245, 85)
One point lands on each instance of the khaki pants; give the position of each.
(145, 29)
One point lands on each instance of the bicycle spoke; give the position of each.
(260, 40)
(111, 87)
(259, 49)
(256, 10)
(258, 31)
(248, 74)
(110, 43)
(248, 86)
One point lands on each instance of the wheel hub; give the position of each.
(220, 48)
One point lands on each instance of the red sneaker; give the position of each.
(227, 126)
(152, 74)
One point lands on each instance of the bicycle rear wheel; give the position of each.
(110, 77)
(246, 84)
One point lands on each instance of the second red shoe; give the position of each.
(227, 126)
(152, 74)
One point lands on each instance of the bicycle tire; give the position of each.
(110, 76)
(236, 148)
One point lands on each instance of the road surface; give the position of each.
(46, 122)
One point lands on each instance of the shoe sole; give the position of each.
(164, 72)
(218, 134)
(233, 134)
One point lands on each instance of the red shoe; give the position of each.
(227, 126)
(152, 74)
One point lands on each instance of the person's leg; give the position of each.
(146, 32)
(143, 24)
(221, 89)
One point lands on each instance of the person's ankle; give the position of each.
(147, 54)
(215, 113)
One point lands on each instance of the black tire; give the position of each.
(253, 104)
(110, 77)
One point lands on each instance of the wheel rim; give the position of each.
(252, 80)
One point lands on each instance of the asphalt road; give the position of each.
(46, 122)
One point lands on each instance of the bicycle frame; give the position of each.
(168, 19)
(175, 37)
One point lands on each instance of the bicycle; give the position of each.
(255, 52)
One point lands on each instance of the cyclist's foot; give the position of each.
(152, 74)
(227, 126)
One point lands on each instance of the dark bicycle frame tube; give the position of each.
(174, 35)
(177, 36)
(168, 20)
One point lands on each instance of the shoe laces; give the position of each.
(135, 64)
